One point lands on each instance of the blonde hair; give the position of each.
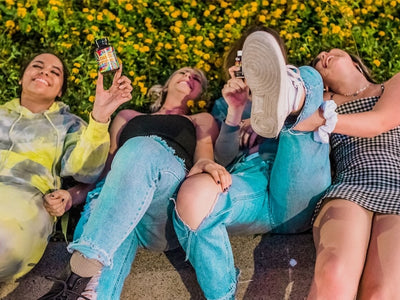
(158, 93)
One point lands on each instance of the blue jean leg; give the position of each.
(208, 248)
(131, 210)
(301, 170)
(280, 198)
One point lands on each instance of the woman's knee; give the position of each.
(196, 198)
(20, 250)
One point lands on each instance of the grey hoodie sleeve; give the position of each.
(227, 144)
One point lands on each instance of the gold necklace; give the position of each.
(358, 91)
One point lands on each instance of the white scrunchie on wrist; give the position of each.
(322, 134)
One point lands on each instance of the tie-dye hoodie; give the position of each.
(37, 149)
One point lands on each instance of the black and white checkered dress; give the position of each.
(367, 170)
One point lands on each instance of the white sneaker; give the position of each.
(276, 88)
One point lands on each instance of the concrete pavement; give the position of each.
(272, 267)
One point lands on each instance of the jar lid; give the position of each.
(101, 42)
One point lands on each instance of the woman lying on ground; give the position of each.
(270, 192)
(356, 231)
(151, 155)
(41, 142)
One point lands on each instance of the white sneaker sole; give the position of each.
(265, 72)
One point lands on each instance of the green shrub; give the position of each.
(154, 38)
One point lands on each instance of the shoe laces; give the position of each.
(65, 291)
(90, 290)
(296, 87)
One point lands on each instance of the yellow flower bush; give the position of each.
(152, 39)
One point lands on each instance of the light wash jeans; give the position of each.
(131, 209)
(277, 196)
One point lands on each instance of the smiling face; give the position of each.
(187, 81)
(43, 78)
(333, 65)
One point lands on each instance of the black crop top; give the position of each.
(177, 131)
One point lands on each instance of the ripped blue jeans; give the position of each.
(130, 209)
(276, 195)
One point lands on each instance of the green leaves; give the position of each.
(152, 39)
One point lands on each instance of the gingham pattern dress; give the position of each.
(367, 170)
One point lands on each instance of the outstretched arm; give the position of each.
(384, 116)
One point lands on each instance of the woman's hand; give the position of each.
(248, 138)
(220, 175)
(107, 101)
(236, 95)
(312, 123)
(57, 202)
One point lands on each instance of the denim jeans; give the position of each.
(277, 195)
(131, 209)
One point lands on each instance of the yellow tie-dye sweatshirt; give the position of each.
(38, 149)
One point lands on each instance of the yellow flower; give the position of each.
(381, 33)
(78, 65)
(10, 2)
(183, 47)
(40, 14)
(192, 22)
(75, 71)
(181, 38)
(10, 24)
(21, 12)
(176, 14)
(236, 14)
(377, 62)
(66, 45)
(185, 14)
(190, 103)
(90, 37)
(261, 18)
(168, 46)
(90, 18)
(128, 7)
(335, 28)
(77, 80)
(91, 99)
(208, 43)
(148, 41)
(93, 74)
(144, 49)
(206, 13)
(202, 103)
(85, 10)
